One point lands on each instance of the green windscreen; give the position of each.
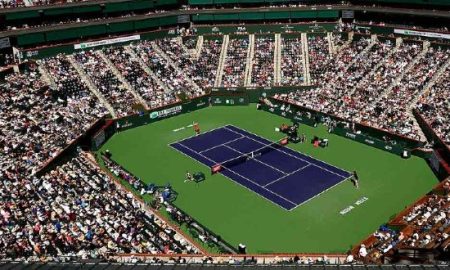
(30, 39)
(22, 15)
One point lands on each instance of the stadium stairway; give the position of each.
(305, 53)
(277, 60)
(425, 90)
(198, 47)
(122, 79)
(173, 64)
(222, 57)
(45, 76)
(331, 49)
(249, 61)
(28, 3)
(191, 52)
(339, 49)
(91, 85)
(147, 69)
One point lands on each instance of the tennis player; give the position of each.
(355, 179)
(196, 128)
(189, 177)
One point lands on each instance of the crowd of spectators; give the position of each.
(152, 92)
(208, 62)
(202, 70)
(419, 75)
(362, 85)
(263, 62)
(367, 104)
(319, 55)
(190, 42)
(75, 91)
(434, 106)
(174, 78)
(392, 111)
(292, 62)
(333, 80)
(38, 121)
(11, 3)
(237, 260)
(431, 222)
(98, 71)
(77, 211)
(422, 226)
(379, 244)
(234, 67)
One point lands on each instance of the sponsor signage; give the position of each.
(201, 104)
(4, 43)
(103, 42)
(350, 135)
(349, 208)
(422, 34)
(166, 112)
(32, 53)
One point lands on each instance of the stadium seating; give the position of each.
(319, 55)
(78, 212)
(146, 86)
(39, 121)
(423, 227)
(434, 106)
(263, 71)
(234, 67)
(172, 77)
(292, 62)
(75, 210)
(106, 82)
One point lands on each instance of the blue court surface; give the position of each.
(283, 176)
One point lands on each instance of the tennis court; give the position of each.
(279, 174)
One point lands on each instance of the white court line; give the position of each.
(289, 174)
(295, 204)
(284, 173)
(280, 150)
(232, 180)
(323, 191)
(223, 144)
(195, 135)
(251, 181)
(291, 149)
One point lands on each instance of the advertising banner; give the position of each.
(103, 42)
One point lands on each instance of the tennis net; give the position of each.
(246, 156)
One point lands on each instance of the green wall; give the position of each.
(269, 15)
(59, 10)
(227, 2)
(266, 28)
(95, 30)
(414, 2)
(69, 48)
